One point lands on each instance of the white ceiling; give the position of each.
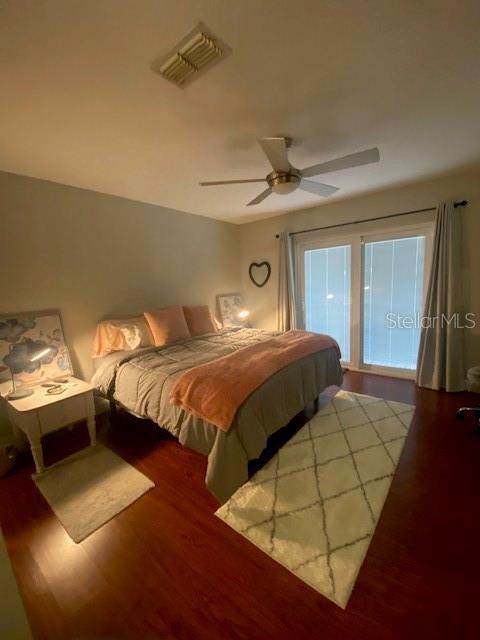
(80, 106)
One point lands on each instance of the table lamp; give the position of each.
(23, 392)
(243, 315)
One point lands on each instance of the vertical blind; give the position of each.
(392, 299)
(328, 294)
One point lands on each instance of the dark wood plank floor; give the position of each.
(167, 568)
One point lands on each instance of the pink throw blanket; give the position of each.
(215, 391)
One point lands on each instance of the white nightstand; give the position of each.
(41, 413)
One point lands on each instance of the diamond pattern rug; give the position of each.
(314, 506)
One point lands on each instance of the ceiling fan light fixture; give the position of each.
(283, 183)
(284, 188)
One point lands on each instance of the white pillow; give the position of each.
(135, 335)
(121, 335)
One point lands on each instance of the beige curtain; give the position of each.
(287, 315)
(440, 355)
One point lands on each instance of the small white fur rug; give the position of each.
(89, 488)
(314, 506)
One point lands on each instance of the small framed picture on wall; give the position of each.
(230, 307)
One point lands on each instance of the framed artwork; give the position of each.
(32, 347)
(229, 306)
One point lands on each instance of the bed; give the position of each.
(141, 382)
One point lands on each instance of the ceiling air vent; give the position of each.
(191, 57)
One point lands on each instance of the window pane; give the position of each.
(327, 294)
(393, 283)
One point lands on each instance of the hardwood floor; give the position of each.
(167, 568)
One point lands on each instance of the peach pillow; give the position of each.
(126, 334)
(167, 325)
(199, 320)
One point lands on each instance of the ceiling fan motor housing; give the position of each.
(283, 182)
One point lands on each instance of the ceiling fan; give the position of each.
(285, 178)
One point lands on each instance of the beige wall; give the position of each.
(93, 255)
(258, 240)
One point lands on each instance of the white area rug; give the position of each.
(90, 488)
(314, 507)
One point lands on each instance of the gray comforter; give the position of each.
(141, 381)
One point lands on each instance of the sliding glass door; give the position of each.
(392, 301)
(366, 291)
(328, 293)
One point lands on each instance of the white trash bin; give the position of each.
(473, 379)
(8, 457)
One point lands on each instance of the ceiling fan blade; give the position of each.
(276, 151)
(260, 197)
(212, 184)
(352, 160)
(317, 188)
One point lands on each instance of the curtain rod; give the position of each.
(462, 203)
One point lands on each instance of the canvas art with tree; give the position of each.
(32, 348)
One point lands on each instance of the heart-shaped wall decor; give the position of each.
(259, 273)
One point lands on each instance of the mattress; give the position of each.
(142, 380)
